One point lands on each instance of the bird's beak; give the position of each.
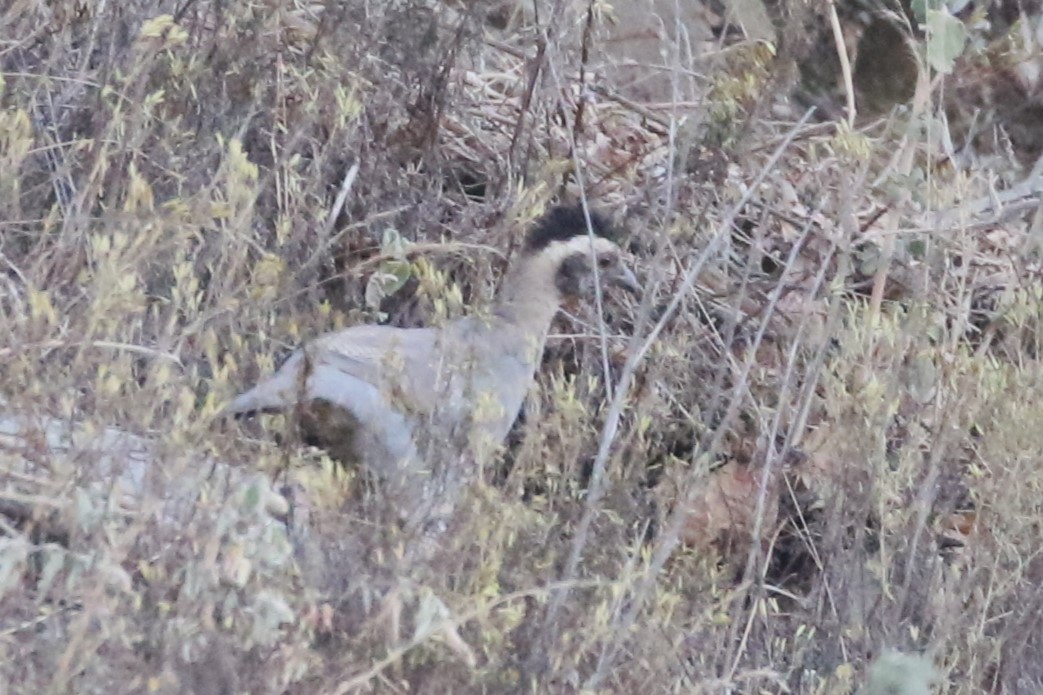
(624, 277)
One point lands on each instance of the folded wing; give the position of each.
(364, 369)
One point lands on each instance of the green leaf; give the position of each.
(917, 248)
(388, 279)
(894, 672)
(946, 38)
(392, 243)
(14, 555)
(252, 498)
(920, 8)
(430, 616)
(53, 562)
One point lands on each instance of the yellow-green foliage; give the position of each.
(171, 225)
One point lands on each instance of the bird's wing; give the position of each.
(355, 364)
(401, 362)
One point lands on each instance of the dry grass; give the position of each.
(815, 439)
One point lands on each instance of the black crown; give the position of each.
(564, 222)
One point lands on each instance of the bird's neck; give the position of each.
(529, 299)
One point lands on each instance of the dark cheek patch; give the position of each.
(569, 277)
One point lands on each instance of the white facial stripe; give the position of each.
(559, 250)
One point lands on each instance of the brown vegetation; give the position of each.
(814, 440)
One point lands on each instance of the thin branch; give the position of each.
(396, 654)
(342, 195)
(638, 349)
(845, 62)
(103, 344)
(672, 533)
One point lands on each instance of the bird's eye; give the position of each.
(604, 262)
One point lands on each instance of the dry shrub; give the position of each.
(836, 412)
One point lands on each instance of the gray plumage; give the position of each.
(408, 403)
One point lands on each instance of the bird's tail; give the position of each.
(248, 404)
(276, 393)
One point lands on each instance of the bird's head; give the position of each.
(562, 247)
